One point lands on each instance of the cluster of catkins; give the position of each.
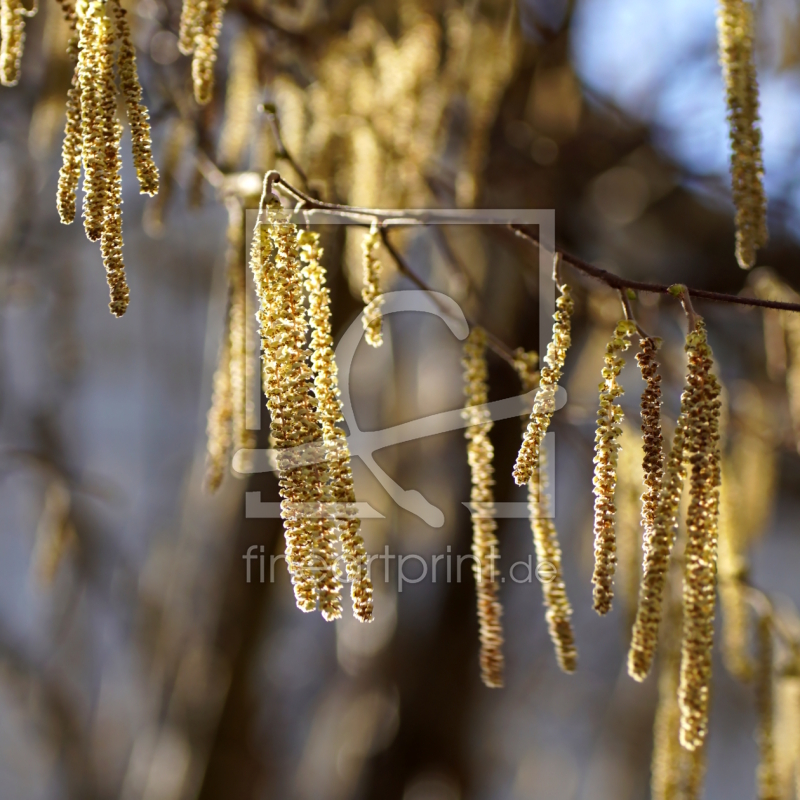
(300, 385)
(105, 68)
(694, 455)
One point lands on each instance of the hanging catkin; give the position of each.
(609, 422)
(659, 542)
(201, 22)
(628, 499)
(93, 133)
(295, 422)
(735, 28)
(12, 39)
(699, 583)
(652, 438)
(544, 405)
(767, 774)
(545, 540)
(138, 116)
(484, 541)
(371, 288)
(326, 388)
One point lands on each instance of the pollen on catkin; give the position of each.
(480, 454)
(12, 39)
(544, 405)
(295, 422)
(326, 388)
(71, 150)
(545, 540)
(371, 288)
(660, 540)
(652, 438)
(767, 773)
(609, 429)
(702, 521)
(138, 116)
(735, 29)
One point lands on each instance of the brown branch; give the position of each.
(616, 282)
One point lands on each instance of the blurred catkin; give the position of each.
(204, 20)
(660, 540)
(218, 426)
(241, 101)
(544, 405)
(295, 421)
(12, 39)
(138, 116)
(767, 773)
(736, 28)
(609, 429)
(480, 454)
(326, 388)
(699, 583)
(371, 289)
(545, 540)
(628, 499)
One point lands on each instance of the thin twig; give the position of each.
(616, 282)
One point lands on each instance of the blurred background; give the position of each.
(136, 662)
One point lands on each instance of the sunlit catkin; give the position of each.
(767, 774)
(371, 288)
(659, 540)
(326, 388)
(138, 116)
(544, 405)
(609, 429)
(71, 150)
(207, 24)
(12, 33)
(629, 519)
(699, 583)
(295, 423)
(735, 28)
(480, 453)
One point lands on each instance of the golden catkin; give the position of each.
(787, 729)
(218, 425)
(111, 136)
(95, 181)
(660, 540)
(767, 773)
(699, 583)
(326, 388)
(652, 438)
(188, 26)
(138, 116)
(208, 24)
(241, 101)
(71, 150)
(371, 288)
(12, 35)
(480, 453)
(295, 422)
(609, 422)
(735, 28)
(545, 540)
(544, 405)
